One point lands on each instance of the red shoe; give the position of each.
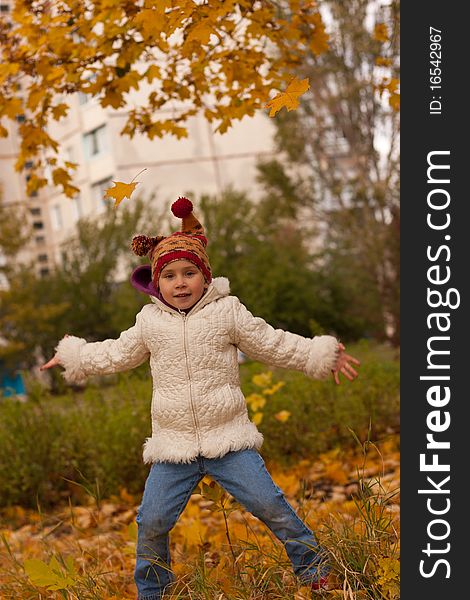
(320, 585)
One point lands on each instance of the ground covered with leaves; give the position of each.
(349, 497)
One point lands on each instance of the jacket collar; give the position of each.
(219, 288)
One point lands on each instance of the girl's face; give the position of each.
(181, 284)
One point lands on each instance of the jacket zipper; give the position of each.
(188, 371)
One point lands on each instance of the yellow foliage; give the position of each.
(257, 418)
(381, 32)
(289, 98)
(52, 576)
(272, 390)
(104, 551)
(282, 416)
(262, 379)
(335, 471)
(256, 401)
(288, 482)
(194, 533)
(319, 39)
(388, 577)
(77, 50)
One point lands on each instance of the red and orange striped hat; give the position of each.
(188, 244)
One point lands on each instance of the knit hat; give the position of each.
(188, 244)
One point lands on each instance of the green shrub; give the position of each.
(322, 413)
(94, 436)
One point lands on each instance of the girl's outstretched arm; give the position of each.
(81, 359)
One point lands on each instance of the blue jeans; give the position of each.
(243, 474)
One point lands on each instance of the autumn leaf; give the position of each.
(50, 575)
(381, 32)
(289, 98)
(282, 416)
(256, 401)
(75, 50)
(201, 32)
(121, 190)
(262, 379)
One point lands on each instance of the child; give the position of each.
(191, 334)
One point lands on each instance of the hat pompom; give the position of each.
(142, 244)
(182, 207)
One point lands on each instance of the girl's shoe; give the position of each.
(322, 584)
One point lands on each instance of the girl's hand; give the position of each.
(53, 362)
(343, 366)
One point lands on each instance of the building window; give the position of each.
(95, 142)
(28, 164)
(44, 272)
(56, 217)
(77, 211)
(36, 212)
(34, 193)
(40, 239)
(4, 8)
(83, 98)
(38, 225)
(98, 190)
(70, 154)
(20, 118)
(42, 258)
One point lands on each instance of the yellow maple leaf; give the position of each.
(201, 32)
(112, 98)
(289, 98)
(122, 190)
(60, 110)
(153, 72)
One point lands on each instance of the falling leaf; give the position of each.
(289, 98)
(121, 190)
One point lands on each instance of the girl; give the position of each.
(191, 333)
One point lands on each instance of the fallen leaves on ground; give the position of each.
(93, 546)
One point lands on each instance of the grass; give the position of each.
(89, 441)
(68, 557)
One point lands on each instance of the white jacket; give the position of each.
(197, 404)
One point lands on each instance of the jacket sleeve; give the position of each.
(81, 359)
(260, 341)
